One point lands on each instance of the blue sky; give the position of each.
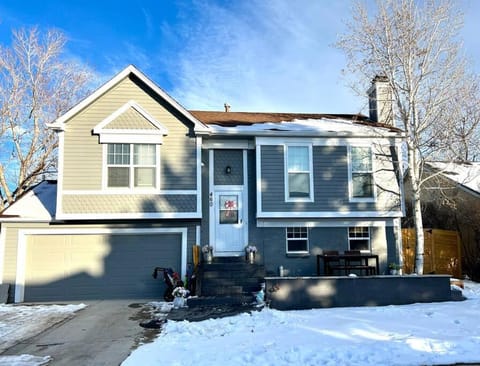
(257, 55)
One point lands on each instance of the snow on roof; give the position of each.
(323, 126)
(466, 174)
(37, 203)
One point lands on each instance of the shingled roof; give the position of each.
(232, 119)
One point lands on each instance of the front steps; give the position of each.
(227, 281)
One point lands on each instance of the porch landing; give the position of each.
(289, 293)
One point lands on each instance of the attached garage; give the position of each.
(108, 264)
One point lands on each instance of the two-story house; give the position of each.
(141, 180)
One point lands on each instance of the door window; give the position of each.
(228, 209)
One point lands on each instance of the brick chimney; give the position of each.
(380, 101)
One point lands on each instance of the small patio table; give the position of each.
(346, 259)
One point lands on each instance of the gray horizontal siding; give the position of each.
(272, 246)
(330, 180)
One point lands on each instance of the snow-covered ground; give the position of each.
(417, 334)
(18, 323)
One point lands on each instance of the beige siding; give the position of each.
(83, 153)
(128, 203)
(11, 245)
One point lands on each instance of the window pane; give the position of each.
(228, 209)
(298, 159)
(297, 245)
(362, 185)
(118, 154)
(361, 159)
(358, 232)
(359, 244)
(144, 154)
(118, 177)
(144, 177)
(299, 184)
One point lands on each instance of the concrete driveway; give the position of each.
(104, 333)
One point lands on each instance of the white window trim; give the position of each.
(131, 188)
(310, 162)
(353, 239)
(350, 176)
(287, 240)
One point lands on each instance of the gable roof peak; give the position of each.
(126, 72)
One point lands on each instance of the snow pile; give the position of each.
(319, 126)
(24, 360)
(18, 323)
(417, 334)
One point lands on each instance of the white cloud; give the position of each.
(263, 56)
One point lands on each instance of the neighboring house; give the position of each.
(451, 201)
(141, 180)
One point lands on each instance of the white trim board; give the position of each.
(131, 192)
(24, 233)
(328, 214)
(140, 215)
(3, 242)
(323, 223)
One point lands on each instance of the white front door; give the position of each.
(229, 223)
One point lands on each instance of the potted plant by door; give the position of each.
(250, 251)
(394, 268)
(207, 251)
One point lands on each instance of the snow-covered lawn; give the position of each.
(18, 323)
(417, 334)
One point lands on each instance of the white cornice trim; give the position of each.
(154, 136)
(130, 104)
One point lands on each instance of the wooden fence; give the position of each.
(442, 254)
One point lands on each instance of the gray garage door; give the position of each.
(83, 267)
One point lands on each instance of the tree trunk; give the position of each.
(419, 248)
(414, 166)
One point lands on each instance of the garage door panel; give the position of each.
(77, 267)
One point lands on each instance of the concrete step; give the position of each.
(221, 290)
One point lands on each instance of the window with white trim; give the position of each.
(297, 239)
(132, 166)
(298, 173)
(359, 238)
(362, 184)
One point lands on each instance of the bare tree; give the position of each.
(416, 46)
(37, 85)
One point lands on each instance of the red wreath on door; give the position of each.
(229, 205)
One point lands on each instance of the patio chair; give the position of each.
(357, 263)
(330, 264)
